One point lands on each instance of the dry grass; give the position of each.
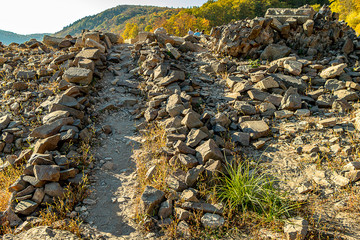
(56, 215)
(7, 177)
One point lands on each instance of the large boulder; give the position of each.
(78, 75)
(275, 51)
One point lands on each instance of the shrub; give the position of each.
(245, 188)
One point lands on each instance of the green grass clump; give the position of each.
(244, 188)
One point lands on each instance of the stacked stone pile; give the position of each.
(284, 31)
(47, 103)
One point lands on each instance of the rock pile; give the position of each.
(311, 70)
(308, 80)
(282, 31)
(48, 114)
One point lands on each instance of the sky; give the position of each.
(50, 16)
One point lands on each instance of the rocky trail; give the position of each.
(184, 108)
(113, 177)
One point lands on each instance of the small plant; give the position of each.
(7, 177)
(254, 63)
(244, 188)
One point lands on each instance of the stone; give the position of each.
(53, 116)
(78, 75)
(283, 114)
(351, 166)
(241, 137)
(205, 207)
(333, 71)
(302, 113)
(94, 44)
(296, 228)
(291, 100)
(209, 150)
(256, 129)
(4, 122)
(41, 233)
(174, 76)
(293, 67)
(353, 175)
(267, 83)
(165, 209)
(194, 137)
(176, 183)
(348, 46)
(308, 27)
(256, 94)
(334, 84)
(347, 95)
(93, 54)
(150, 199)
(182, 214)
(291, 81)
(20, 86)
(210, 220)
(39, 195)
(191, 120)
(193, 174)
(181, 147)
(47, 144)
(52, 41)
(25, 207)
(189, 195)
(244, 108)
(47, 172)
(328, 122)
(50, 129)
(188, 161)
(173, 51)
(150, 114)
(33, 181)
(54, 190)
(275, 51)
(68, 173)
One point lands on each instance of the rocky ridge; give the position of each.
(293, 111)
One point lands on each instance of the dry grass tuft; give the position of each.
(7, 177)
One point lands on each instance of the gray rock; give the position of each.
(78, 75)
(47, 172)
(54, 189)
(241, 137)
(50, 129)
(25, 207)
(257, 129)
(291, 100)
(150, 199)
(188, 161)
(194, 137)
(191, 120)
(193, 174)
(210, 220)
(333, 71)
(296, 228)
(245, 108)
(41, 233)
(275, 51)
(209, 150)
(165, 209)
(205, 207)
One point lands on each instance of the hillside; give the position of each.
(7, 37)
(113, 19)
(130, 19)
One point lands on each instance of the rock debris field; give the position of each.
(281, 90)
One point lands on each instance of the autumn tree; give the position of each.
(349, 10)
(131, 31)
(180, 23)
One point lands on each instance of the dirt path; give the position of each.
(114, 172)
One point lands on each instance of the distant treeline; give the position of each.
(129, 20)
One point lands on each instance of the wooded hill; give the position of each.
(7, 37)
(129, 20)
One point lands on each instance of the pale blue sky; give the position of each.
(49, 16)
